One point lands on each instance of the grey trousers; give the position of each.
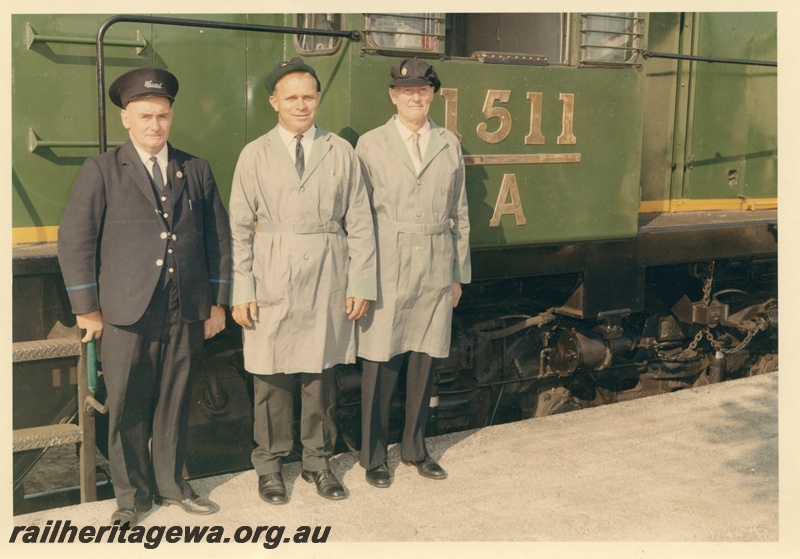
(274, 414)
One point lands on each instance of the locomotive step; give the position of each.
(46, 436)
(35, 258)
(38, 350)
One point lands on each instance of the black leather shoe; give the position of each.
(428, 468)
(272, 489)
(327, 484)
(379, 476)
(131, 517)
(193, 504)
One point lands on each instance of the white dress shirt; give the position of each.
(163, 160)
(408, 139)
(307, 141)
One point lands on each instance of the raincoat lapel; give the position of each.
(278, 148)
(396, 144)
(436, 143)
(321, 148)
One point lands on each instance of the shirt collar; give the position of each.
(163, 155)
(406, 133)
(288, 138)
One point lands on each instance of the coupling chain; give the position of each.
(688, 354)
(755, 327)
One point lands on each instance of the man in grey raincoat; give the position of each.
(415, 178)
(303, 273)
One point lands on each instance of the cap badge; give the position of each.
(150, 84)
(404, 71)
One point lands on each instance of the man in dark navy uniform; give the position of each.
(144, 247)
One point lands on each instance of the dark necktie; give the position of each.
(158, 178)
(299, 157)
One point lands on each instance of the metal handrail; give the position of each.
(650, 54)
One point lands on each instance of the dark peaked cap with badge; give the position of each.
(286, 67)
(414, 72)
(141, 83)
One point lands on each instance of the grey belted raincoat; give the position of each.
(422, 234)
(300, 247)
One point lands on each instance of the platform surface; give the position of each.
(696, 470)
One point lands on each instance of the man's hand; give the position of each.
(215, 323)
(92, 322)
(456, 293)
(244, 312)
(355, 307)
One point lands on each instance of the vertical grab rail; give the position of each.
(87, 366)
(91, 365)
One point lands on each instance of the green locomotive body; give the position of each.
(621, 176)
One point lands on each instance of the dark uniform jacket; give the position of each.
(115, 233)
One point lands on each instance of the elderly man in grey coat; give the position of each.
(303, 273)
(414, 172)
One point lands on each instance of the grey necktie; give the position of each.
(415, 146)
(158, 178)
(299, 157)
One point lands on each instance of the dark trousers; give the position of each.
(273, 404)
(147, 369)
(378, 381)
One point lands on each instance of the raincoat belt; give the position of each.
(300, 228)
(418, 228)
